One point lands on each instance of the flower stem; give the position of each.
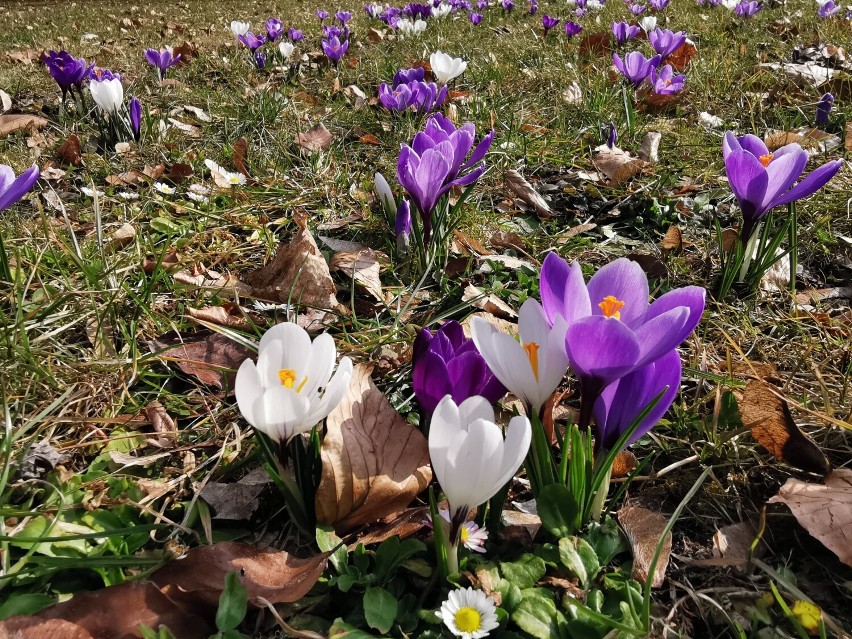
(749, 252)
(453, 559)
(599, 499)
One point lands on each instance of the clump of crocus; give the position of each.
(445, 67)
(665, 82)
(69, 72)
(296, 35)
(507, 5)
(343, 16)
(321, 15)
(659, 5)
(334, 49)
(435, 162)
(12, 188)
(408, 28)
(253, 42)
(162, 60)
(116, 123)
(410, 91)
(135, 113)
(572, 29)
(635, 66)
(747, 8)
(274, 29)
(447, 363)
(636, 9)
(533, 7)
(827, 9)
(475, 18)
(548, 23)
(823, 109)
(666, 42)
(624, 32)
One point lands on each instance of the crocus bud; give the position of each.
(402, 226)
(385, 196)
(824, 109)
(612, 136)
(135, 118)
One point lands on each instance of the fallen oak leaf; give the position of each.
(11, 123)
(772, 426)
(315, 139)
(212, 360)
(489, 303)
(824, 510)
(373, 461)
(644, 529)
(274, 575)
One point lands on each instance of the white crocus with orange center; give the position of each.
(291, 388)
(532, 368)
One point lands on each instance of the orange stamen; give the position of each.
(532, 354)
(611, 307)
(766, 159)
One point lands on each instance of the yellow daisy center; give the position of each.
(234, 179)
(468, 619)
(464, 535)
(766, 159)
(288, 379)
(532, 354)
(611, 307)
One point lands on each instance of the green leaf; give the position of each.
(525, 571)
(233, 603)
(391, 553)
(24, 604)
(560, 514)
(537, 615)
(342, 630)
(379, 609)
(166, 226)
(579, 558)
(326, 540)
(510, 594)
(607, 540)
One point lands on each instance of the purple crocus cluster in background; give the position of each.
(636, 68)
(69, 72)
(409, 90)
(162, 60)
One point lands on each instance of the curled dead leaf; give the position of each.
(239, 156)
(489, 303)
(373, 461)
(363, 267)
(624, 464)
(616, 164)
(672, 241)
(69, 151)
(524, 190)
(772, 426)
(11, 123)
(297, 273)
(644, 529)
(213, 360)
(315, 139)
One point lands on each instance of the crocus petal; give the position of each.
(15, 188)
(332, 394)
(782, 172)
(626, 281)
(748, 180)
(601, 350)
(810, 185)
(692, 297)
(662, 333)
(431, 381)
(753, 145)
(563, 291)
(466, 373)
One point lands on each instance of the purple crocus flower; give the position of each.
(475, 18)
(333, 31)
(507, 5)
(548, 22)
(321, 15)
(481, 5)
(435, 163)
(274, 29)
(334, 49)
(572, 29)
(659, 5)
(636, 9)
(622, 401)
(343, 16)
(68, 71)
(827, 9)
(404, 76)
(161, 60)
(624, 32)
(252, 41)
(135, 110)
(823, 109)
(666, 42)
(665, 82)
(417, 10)
(295, 35)
(402, 222)
(612, 135)
(259, 58)
(762, 180)
(581, 12)
(533, 8)
(612, 329)
(14, 188)
(747, 8)
(422, 96)
(447, 363)
(635, 66)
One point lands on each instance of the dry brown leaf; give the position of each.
(650, 146)
(369, 138)
(682, 56)
(825, 511)
(812, 296)
(524, 190)
(24, 56)
(162, 423)
(116, 613)
(199, 277)
(179, 171)
(316, 139)
(212, 360)
(201, 114)
(10, 123)
(402, 525)
(239, 156)
(274, 575)
(489, 303)
(373, 461)
(847, 139)
(230, 314)
(734, 542)
(772, 426)
(187, 51)
(651, 264)
(69, 151)
(190, 130)
(672, 241)
(122, 236)
(598, 44)
(644, 529)
(363, 267)
(624, 464)
(35, 628)
(729, 239)
(297, 273)
(616, 164)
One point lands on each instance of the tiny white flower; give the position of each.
(446, 67)
(291, 388)
(286, 49)
(197, 197)
(224, 178)
(200, 189)
(163, 188)
(469, 613)
(90, 193)
(648, 23)
(239, 28)
(128, 195)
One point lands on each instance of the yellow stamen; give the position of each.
(532, 354)
(667, 81)
(766, 159)
(465, 535)
(611, 307)
(468, 619)
(288, 379)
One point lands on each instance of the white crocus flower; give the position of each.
(239, 28)
(594, 5)
(441, 11)
(291, 388)
(407, 27)
(107, 94)
(469, 456)
(730, 4)
(469, 613)
(446, 67)
(648, 23)
(533, 368)
(385, 195)
(286, 49)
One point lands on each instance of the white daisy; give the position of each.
(90, 193)
(128, 195)
(197, 197)
(163, 188)
(469, 613)
(200, 189)
(471, 536)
